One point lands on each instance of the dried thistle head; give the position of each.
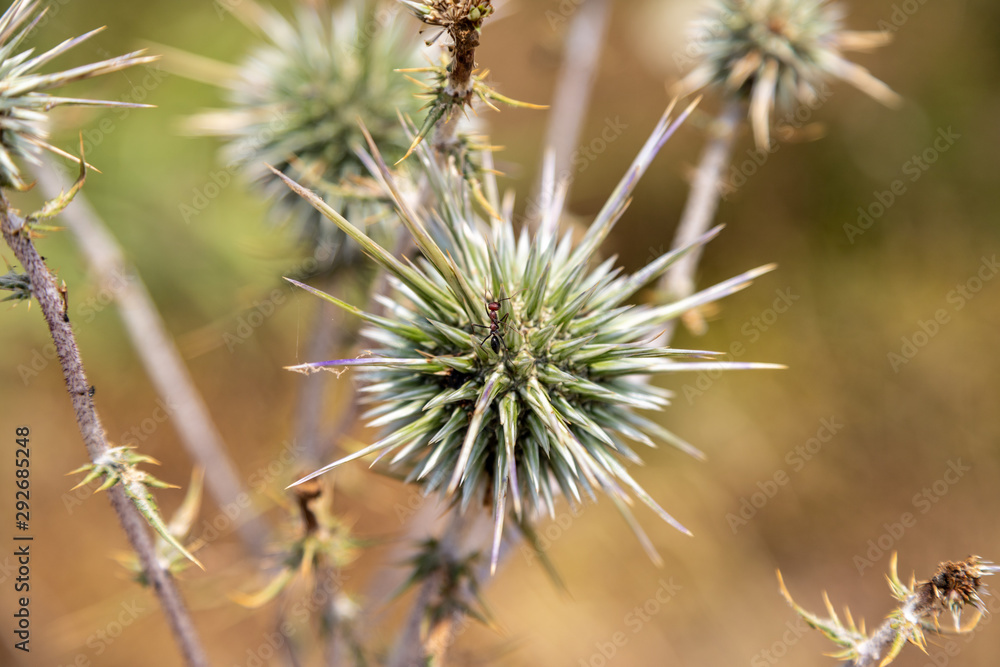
(462, 20)
(509, 368)
(955, 586)
(295, 103)
(24, 96)
(779, 52)
(322, 545)
(455, 82)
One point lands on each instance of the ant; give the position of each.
(495, 336)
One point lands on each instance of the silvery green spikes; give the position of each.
(551, 410)
(23, 97)
(295, 104)
(779, 51)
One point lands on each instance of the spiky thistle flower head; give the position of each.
(24, 96)
(295, 103)
(508, 369)
(779, 52)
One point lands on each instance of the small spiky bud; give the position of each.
(508, 369)
(18, 284)
(120, 465)
(179, 528)
(295, 104)
(779, 52)
(24, 100)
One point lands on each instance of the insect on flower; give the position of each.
(496, 322)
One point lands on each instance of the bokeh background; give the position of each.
(856, 299)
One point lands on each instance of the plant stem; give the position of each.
(870, 651)
(413, 650)
(158, 354)
(44, 289)
(702, 204)
(575, 82)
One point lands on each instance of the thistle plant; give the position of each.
(955, 586)
(322, 542)
(317, 547)
(776, 52)
(24, 102)
(119, 466)
(175, 558)
(295, 102)
(761, 53)
(543, 404)
(24, 97)
(455, 82)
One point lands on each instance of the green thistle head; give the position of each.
(24, 100)
(509, 368)
(295, 104)
(779, 52)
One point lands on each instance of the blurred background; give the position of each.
(811, 470)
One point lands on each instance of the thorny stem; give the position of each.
(955, 586)
(44, 289)
(878, 644)
(702, 203)
(157, 352)
(411, 649)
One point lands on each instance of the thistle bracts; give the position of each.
(955, 586)
(24, 100)
(779, 52)
(295, 102)
(546, 410)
